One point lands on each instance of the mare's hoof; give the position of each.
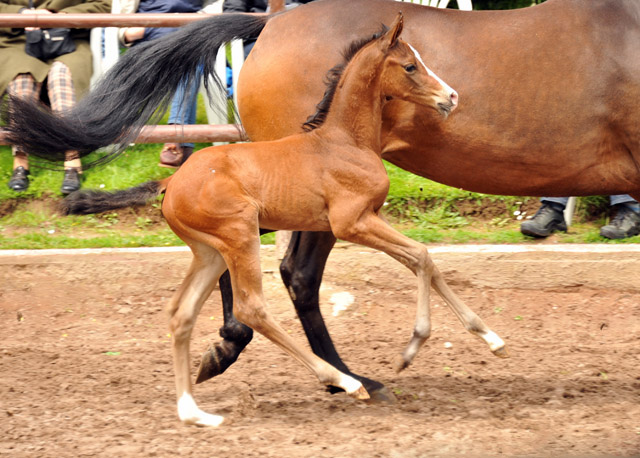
(382, 395)
(501, 352)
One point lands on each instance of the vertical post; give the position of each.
(569, 209)
(276, 5)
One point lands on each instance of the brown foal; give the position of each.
(330, 178)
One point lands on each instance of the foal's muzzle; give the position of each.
(445, 108)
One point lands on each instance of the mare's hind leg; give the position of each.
(370, 230)
(242, 253)
(301, 271)
(184, 307)
(235, 337)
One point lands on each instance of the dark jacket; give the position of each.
(253, 6)
(165, 6)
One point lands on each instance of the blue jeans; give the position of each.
(615, 200)
(183, 106)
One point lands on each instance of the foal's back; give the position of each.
(289, 184)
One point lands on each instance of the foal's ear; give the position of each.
(392, 35)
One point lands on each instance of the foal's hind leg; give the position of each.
(206, 268)
(242, 254)
(372, 231)
(235, 337)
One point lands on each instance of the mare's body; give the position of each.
(550, 106)
(551, 94)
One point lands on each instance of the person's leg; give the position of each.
(555, 200)
(548, 219)
(183, 112)
(25, 87)
(62, 97)
(624, 199)
(626, 218)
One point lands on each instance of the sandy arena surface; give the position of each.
(85, 362)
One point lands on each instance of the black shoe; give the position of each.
(548, 219)
(71, 181)
(625, 223)
(19, 179)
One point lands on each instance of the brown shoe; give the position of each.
(171, 156)
(187, 151)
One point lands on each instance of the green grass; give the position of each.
(420, 208)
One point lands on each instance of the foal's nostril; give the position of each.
(454, 100)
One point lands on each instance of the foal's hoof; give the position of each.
(360, 393)
(190, 414)
(400, 364)
(204, 420)
(501, 352)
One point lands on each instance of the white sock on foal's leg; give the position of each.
(190, 413)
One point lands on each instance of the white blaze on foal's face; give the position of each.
(453, 95)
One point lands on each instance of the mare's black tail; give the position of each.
(90, 201)
(128, 95)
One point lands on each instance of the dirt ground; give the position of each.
(85, 363)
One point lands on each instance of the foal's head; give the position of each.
(405, 76)
(401, 71)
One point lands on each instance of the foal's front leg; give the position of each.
(235, 337)
(370, 230)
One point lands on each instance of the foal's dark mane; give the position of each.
(332, 78)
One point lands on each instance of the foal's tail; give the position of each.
(143, 80)
(90, 201)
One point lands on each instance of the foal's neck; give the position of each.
(357, 103)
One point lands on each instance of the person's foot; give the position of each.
(548, 219)
(625, 223)
(19, 179)
(173, 155)
(71, 181)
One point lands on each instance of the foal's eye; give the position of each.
(410, 68)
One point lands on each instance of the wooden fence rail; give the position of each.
(87, 21)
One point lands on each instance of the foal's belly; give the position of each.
(300, 220)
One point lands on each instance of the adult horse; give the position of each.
(549, 107)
